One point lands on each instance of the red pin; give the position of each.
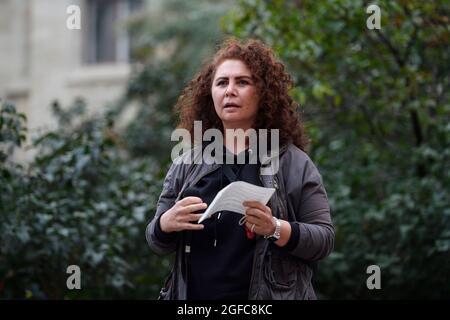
(250, 234)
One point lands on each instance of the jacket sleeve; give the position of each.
(166, 244)
(308, 199)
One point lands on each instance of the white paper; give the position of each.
(231, 197)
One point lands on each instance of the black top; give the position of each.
(220, 262)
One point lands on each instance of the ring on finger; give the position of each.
(253, 228)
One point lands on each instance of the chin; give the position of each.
(232, 119)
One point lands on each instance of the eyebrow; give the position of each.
(238, 77)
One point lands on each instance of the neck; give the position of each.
(235, 138)
(236, 145)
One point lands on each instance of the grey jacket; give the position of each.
(300, 197)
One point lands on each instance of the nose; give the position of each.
(231, 90)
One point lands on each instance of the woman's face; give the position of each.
(235, 95)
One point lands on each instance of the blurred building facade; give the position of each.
(42, 60)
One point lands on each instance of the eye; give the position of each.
(243, 82)
(221, 83)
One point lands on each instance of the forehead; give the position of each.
(232, 68)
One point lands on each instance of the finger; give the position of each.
(254, 204)
(192, 208)
(252, 220)
(192, 217)
(258, 205)
(192, 226)
(257, 213)
(189, 200)
(251, 225)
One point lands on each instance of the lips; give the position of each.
(231, 105)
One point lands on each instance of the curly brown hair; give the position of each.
(277, 110)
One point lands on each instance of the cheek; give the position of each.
(216, 96)
(216, 100)
(253, 101)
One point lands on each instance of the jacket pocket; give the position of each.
(285, 277)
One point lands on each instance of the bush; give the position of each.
(79, 202)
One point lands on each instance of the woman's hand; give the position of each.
(259, 218)
(179, 217)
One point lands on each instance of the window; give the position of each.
(106, 40)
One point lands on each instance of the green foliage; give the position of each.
(377, 111)
(12, 129)
(79, 202)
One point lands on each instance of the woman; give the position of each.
(272, 255)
